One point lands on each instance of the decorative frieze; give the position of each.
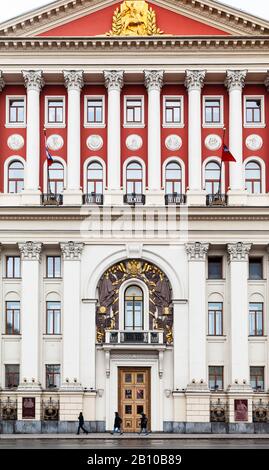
(197, 251)
(73, 79)
(2, 81)
(235, 79)
(194, 79)
(238, 251)
(113, 79)
(72, 250)
(30, 251)
(33, 79)
(154, 79)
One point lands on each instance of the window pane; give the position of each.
(255, 268)
(57, 322)
(211, 326)
(251, 323)
(49, 322)
(219, 323)
(215, 268)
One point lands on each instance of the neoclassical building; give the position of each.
(134, 260)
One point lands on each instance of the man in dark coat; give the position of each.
(81, 424)
(117, 423)
(144, 424)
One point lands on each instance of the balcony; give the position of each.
(134, 199)
(52, 199)
(93, 198)
(216, 200)
(175, 199)
(134, 337)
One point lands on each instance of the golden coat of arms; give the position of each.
(134, 19)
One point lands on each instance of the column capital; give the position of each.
(72, 251)
(266, 82)
(30, 251)
(235, 79)
(114, 79)
(33, 79)
(238, 251)
(197, 251)
(194, 79)
(2, 81)
(73, 79)
(153, 79)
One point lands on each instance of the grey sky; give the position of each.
(17, 7)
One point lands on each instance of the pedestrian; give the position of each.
(117, 423)
(81, 424)
(144, 424)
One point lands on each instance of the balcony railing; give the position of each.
(216, 200)
(134, 337)
(93, 198)
(134, 199)
(175, 199)
(52, 199)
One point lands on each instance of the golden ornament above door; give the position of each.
(134, 19)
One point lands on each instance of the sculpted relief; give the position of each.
(134, 19)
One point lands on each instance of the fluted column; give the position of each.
(235, 82)
(30, 313)
(114, 83)
(154, 83)
(74, 83)
(34, 83)
(71, 252)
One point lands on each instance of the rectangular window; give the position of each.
(134, 111)
(55, 111)
(257, 378)
(12, 375)
(255, 268)
(13, 267)
(53, 266)
(215, 318)
(212, 111)
(215, 381)
(255, 319)
(16, 111)
(172, 111)
(95, 111)
(253, 110)
(215, 267)
(12, 318)
(53, 318)
(53, 376)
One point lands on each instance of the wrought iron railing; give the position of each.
(8, 409)
(52, 199)
(134, 199)
(218, 411)
(93, 198)
(175, 199)
(134, 337)
(260, 411)
(50, 410)
(216, 200)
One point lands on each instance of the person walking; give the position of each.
(144, 424)
(81, 424)
(117, 423)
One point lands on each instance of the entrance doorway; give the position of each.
(134, 397)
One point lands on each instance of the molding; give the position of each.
(16, 125)
(73, 79)
(94, 125)
(173, 125)
(235, 79)
(254, 125)
(153, 80)
(183, 171)
(114, 79)
(134, 124)
(194, 79)
(55, 125)
(72, 251)
(238, 251)
(212, 125)
(30, 251)
(33, 80)
(197, 251)
(8, 161)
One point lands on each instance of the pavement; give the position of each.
(150, 436)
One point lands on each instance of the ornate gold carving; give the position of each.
(134, 267)
(102, 309)
(134, 18)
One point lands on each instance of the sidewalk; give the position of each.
(154, 436)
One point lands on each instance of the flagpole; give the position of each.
(221, 163)
(48, 175)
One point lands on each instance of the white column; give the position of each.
(71, 312)
(114, 84)
(87, 345)
(181, 344)
(34, 83)
(154, 83)
(30, 313)
(197, 311)
(235, 82)
(238, 263)
(194, 82)
(74, 83)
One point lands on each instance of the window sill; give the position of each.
(94, 126)
(12, 279)
(173, 126)
(257, 338)
(216, 338)
(219, 279)
(12, 337)
(255, 126)
(53, 337)
(56, 125)
(52, 278)
(17, 125)
(213, 126)
(257, 280)
(134, 126)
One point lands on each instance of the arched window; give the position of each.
(133, 309)
(253, 177)
(15, 177)
(173, 178)
(134, 178)
(56, 178)
(95, 178)
(212, 177)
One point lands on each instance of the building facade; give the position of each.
(134, 261)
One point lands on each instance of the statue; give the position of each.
(162, 293)
(106, 292)
(134, 18)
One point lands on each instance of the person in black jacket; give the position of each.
(144, 424)
(81, 424)
(117, 423)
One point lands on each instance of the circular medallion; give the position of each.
(55, 142)
(95, 142)
(15, 142)
(254, 142)
(134, 142)
(173, 142)
(213, 142)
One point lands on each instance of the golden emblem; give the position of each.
(134, 267)
(134, 19)
(102, 310)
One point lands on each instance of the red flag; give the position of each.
(48, 154)
(226, 155)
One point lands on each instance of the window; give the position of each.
(212, 111)
(255, 268)
(134, 178)
(13, 267)
(16, 111)
(53, 318)
(173, 178)
(56, 178)
(12, 318)
(12, 375)
(215, 318)
(53, 266)
(253, 111)
(15, 177)
(257, 378)
(173, 111)
(53, 376)
(256, 319)
(95, 178)
(215, 267)
(253, 178)
(133, 309)
(212, 177)
(94, 111)
(215, 377)
(134, 111)
(55, 110)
